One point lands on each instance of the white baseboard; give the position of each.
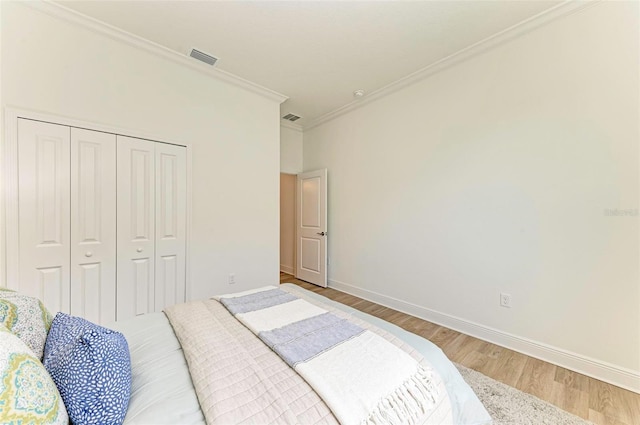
(616, 375)
(287, 269)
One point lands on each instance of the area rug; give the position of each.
(509, 406)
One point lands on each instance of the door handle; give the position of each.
(321, 233)
(88, 254)
(139, 250)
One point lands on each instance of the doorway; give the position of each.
(288, 223)
(303, 226)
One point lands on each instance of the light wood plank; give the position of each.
(571, 379)
(601, 419)
(572, 400)
(508, 367)
(536, 376)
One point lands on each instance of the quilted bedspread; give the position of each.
(238, 379)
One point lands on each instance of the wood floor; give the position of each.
(597, 401)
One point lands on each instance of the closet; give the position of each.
(101, 221)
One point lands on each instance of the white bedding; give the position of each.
(163, 393)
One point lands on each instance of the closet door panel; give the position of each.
(50, 287)
(168, 288)
(44, 208)
(143, 286)
(93, 225)
(136, 227)
(171, 188)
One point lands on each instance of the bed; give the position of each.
(163, 390)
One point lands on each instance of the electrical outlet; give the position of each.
(232, 278)
(505, 300)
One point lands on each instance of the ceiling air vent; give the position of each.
(291, 117)
(203, 57)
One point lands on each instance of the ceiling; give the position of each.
(316, 52)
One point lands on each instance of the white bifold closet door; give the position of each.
(171, 225)
(151, 226)
(45, 219)
(67, 223)
(93, 225)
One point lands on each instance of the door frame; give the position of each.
(9, 212)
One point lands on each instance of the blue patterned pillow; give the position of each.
(91, 367)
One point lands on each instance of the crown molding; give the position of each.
(61, 12)
(563, 9)
(291, 125)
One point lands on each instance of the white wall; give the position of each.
(53, 66)
(494, 176)
(290, 150)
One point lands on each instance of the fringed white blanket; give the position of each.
(362, 377)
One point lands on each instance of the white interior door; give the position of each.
(93, 225)
(136, 227)
(171, 225)
(44, 221)
(311, 234)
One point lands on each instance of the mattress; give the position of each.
(162, 391)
